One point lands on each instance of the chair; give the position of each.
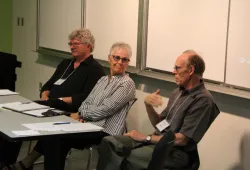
(90, 148)
(161, 151)
(163, 148)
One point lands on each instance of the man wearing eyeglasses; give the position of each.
(68, 87)
(74, 78)
(190, 111)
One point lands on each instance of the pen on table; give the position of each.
(26, 102)
(61, 123)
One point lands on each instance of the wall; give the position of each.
(223, 146)
(6, 25)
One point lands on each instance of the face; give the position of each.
(182, 71)
(119, 61)
(78, 49)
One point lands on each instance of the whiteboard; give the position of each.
(57, 19)
(178, 25)
(238, 58)
(112, 21)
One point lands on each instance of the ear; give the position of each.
(109, 59)
(89, 47)
(191, 70)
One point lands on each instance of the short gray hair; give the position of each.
(197, 61)
(85, 36)
(121, 45)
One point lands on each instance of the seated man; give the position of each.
(74, 78)
(72, 82)
(106, 106)
(190, 111)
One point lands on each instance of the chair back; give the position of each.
(129, 107)
(161, 151)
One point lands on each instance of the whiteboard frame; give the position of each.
(140, 68)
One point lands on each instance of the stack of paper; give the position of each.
(6, 92)
(25, 132)
(63, 126)
(47, 126)
(83, 127)
(37, 113)
(25, 106)
(9, 104)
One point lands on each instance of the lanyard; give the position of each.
(67, 69)
(177, 108)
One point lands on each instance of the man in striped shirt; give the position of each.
(106, 106)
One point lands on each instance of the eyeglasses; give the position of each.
(177, 68)
(74, 44)
(118, 58)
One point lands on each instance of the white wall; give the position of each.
(30, 75)
(24, 43)
(225, 142)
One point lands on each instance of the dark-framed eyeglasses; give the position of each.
(177, 68)
(74, 44)
(118, 58)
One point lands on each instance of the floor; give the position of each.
(77, 160)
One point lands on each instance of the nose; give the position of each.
(120, 61)
(174, 71)
(72, 47)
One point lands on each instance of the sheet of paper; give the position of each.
(83, 127)
(25, 132)
(26, 106)
(69, 127)
(46, 126)
(36, 112)
(9, 104)
(6, 92)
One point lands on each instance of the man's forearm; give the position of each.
(45, 95)
(180, 139)
(152, 114)
(67, 99)
(155, 139)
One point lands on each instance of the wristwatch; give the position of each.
(148, 139)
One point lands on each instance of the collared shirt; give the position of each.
(108, 103)
(191, 112)
(79, 84)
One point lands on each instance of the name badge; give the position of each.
(162, 125)
(59, 82)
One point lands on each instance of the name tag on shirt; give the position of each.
(162, 125)
(59, 82)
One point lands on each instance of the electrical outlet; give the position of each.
(40, 86)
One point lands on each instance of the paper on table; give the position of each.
(83, 127)
(25, 132)
(46, 126)
(10, 104)
(6, 92)
(26, 107)
(36, 112)
(49, 126)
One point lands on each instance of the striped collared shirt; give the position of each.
(108, 103)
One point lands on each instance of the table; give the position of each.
(12, 121)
